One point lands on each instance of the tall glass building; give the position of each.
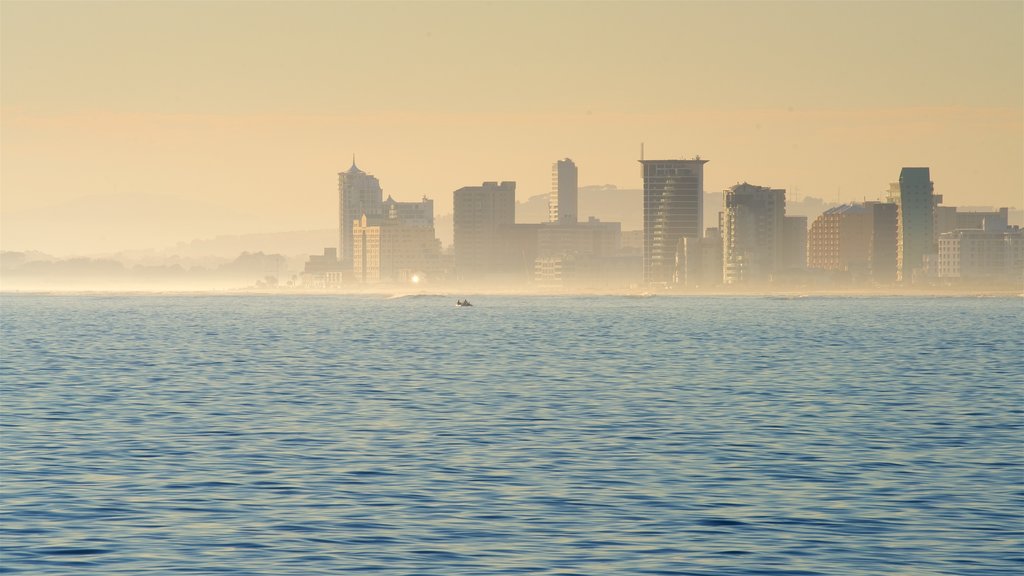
(914, 195)
(673, 209)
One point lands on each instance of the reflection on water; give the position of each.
(323, 435)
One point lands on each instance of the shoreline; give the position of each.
(468, 291)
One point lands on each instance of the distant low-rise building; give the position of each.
(950, 218)
(982, 255)
(323, 271)
(582, 254)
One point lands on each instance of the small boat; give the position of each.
(462, 303)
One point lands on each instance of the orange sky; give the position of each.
(141, 124)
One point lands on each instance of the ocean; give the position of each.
(262, 434)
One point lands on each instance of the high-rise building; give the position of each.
(914, 195)
(673, 209)
(753, 224)
(564, 199)
(859, 239)
(390, 250)
(483, 217)
(359, 194)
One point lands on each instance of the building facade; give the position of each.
(359, 194)
(483, 219)
(673, 209)
(753, 221)
(386, 250)
(323, 271)
(699, 260)
(914, 197)
(563, 202)
(409, 213)
(858, 239)
(982, 255)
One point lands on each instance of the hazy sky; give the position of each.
(140, 124)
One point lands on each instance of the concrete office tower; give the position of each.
(753, 223)
(859, 239)
(483, 217)
(914, 196)
(359, 194)
(564, 199)
(673, 209)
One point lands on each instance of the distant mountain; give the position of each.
(295, 243)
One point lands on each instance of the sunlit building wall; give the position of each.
(859, 239)
(322, 270)
(390, 251)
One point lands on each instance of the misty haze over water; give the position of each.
(321, 435)
(529, 332)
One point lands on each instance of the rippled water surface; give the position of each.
(325, 435)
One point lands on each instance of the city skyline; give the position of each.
(158, 129)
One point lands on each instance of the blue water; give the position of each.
(326, 435)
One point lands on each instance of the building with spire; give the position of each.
(359, 194)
